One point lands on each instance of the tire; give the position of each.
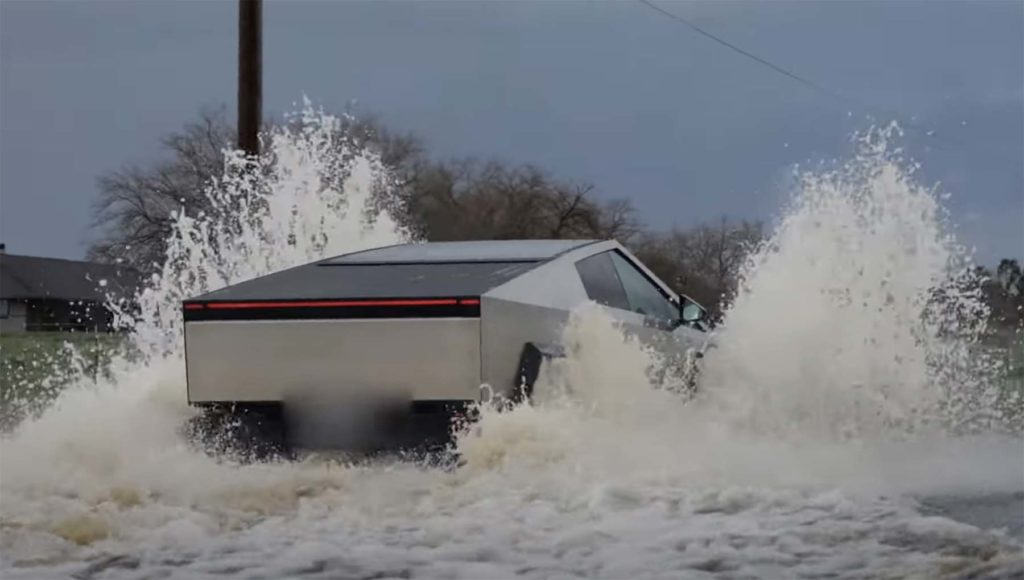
(245, 432)
(531, 359)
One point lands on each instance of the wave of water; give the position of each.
(845, 386)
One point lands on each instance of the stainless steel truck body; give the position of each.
(422, 324)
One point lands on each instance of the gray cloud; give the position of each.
(607, 92)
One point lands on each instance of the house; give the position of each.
(51, 294)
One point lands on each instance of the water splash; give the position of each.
(312, 194)
(860, 316)
(844, 358)
(849, 357)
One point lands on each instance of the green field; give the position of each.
(1013, 382)
(36, 366)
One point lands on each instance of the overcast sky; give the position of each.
(610, 93)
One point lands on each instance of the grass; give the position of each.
(1015, 366)
(1015, 361)
(1008, 346)
(36, 366)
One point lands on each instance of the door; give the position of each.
(644, 308)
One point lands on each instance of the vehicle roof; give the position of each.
(339, 281)
(428, 270)
(469, 251)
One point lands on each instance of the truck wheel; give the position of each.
(246, 432)
(531, 361)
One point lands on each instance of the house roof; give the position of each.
(462, 252)
(31, 277)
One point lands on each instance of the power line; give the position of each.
(777, 68)
(904, 122)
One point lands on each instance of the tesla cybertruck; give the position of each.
(395, 341)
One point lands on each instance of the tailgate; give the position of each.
(274, 360)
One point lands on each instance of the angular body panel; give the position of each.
(275, 360)
(423, 323)
(505, 327)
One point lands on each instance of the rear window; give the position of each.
(602, 282)
(370, 281)
(461, 252)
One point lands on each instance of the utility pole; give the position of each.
(250, 74)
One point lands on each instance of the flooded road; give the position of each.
(843, 429)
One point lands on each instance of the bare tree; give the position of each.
(1003, 292)
(1009, 277)
(703, 262)
(135, 203)
(718, 250)
(466, 199)
(134, 210)
(452, 200)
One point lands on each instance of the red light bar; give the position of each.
(336, 303)
(194, 306)
(469, 301)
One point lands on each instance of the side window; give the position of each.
(643, 295)
(601, 282)
(5, 309)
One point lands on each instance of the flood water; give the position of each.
(845, 426)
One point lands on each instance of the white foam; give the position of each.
(826, 410)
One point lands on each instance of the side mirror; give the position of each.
(691, 313)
